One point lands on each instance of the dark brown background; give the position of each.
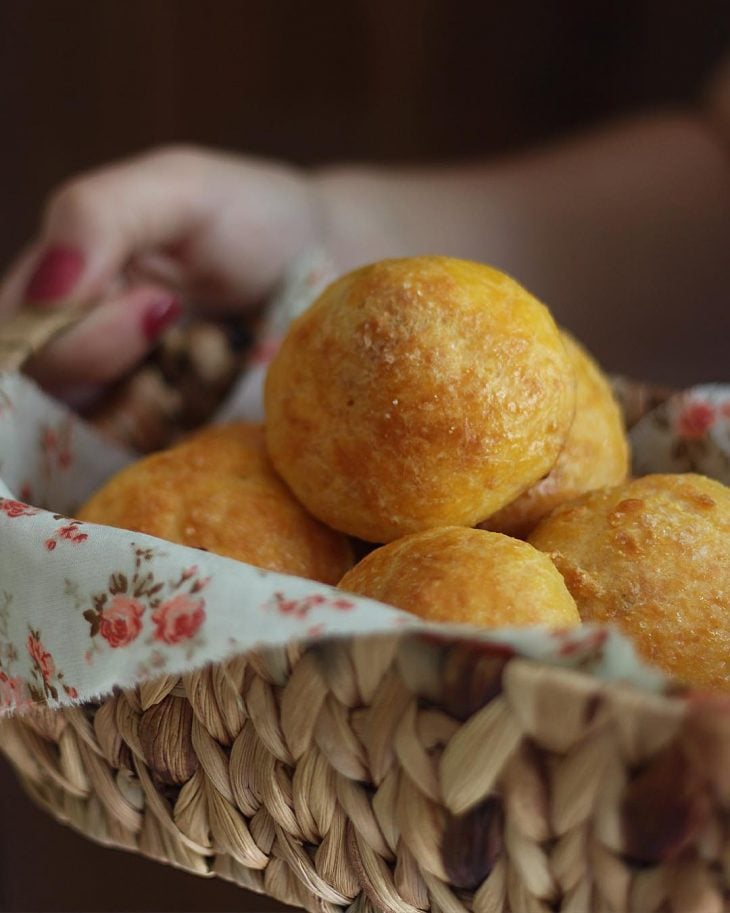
(83, 81)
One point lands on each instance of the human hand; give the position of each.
(173, 228)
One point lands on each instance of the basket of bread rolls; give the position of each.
(434, 447)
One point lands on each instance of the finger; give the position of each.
(94, 225)
(114, 337)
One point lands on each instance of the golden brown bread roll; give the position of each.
(466, 576)
(418, 393)
(218, 491)
(653, 557)
(596, 452)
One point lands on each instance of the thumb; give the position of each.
(109, 341)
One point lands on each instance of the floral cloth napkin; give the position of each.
(86, 608)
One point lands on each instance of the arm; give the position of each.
(625, 233)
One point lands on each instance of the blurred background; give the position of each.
(86, 81)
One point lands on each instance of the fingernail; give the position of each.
(159, 316)
(56, 274)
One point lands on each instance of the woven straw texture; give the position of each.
(401, 775)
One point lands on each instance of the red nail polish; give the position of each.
(56, 274)
(159, 315)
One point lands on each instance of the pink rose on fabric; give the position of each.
(13, 692)
(299, 608)
(16, 508)
(41, 657)
(120, 621)
(179, 618)
(695, 419)
(265, 351)
(71, 531)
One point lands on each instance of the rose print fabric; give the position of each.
(86, 608)
(688, 433)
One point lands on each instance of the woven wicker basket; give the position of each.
(399, 774)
